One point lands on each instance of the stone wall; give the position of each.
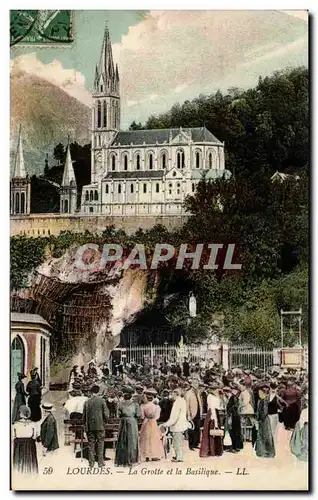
(35, 225)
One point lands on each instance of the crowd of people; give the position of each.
(215, 410)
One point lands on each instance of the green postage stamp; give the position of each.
(41, 27)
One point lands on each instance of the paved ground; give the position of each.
(242, 471)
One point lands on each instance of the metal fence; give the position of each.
(154, 355)
(250, 357)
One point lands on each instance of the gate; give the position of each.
(249, 357)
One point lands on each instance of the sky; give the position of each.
(171, 56)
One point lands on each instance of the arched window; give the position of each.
(17, 358)
(125, 162)
(106, 189)
(17, 203)
(99, 114)
(86, 196)
(96, 195)
(145, 188)
(150, 161)
(197, 159)
(178, 188)
(210, 160)
(180, 158)
(157, 187)
(138, 161)
(102, 88)
(66, 206)
(105, 115)
(119, 188)
(113, 162)
(163, 160)
(170, 188)
(193, 187)
(131, 188)
(22, 203)
(91, 196)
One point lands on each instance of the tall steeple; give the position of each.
(68, 174)
(19, 168)
(106, 106)
(68, 189)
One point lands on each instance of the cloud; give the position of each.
(70, 80)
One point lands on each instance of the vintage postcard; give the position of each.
(159, 201)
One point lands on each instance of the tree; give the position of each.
(59, 153)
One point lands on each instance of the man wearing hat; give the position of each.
(194, 407)
(49, 437)
(95, 413)
(165, 404)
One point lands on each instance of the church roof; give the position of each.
(139, 137)
(68, 174)
(154, 174)
(211, 173)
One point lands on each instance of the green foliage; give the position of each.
(25, 255)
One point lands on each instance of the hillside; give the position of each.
(47, 115)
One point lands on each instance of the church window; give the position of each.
(17, 358)
(17, 203)
(178, 188)
(197, 159)
(174, 173)
(210, 160)
(180, 158)
(91, 209)
(150, 161)
(22, 203)
(170, 188)
(125, 162)
(163, 160)
(96, 195)
(193, 187)
(38, 231)
(43, 231)
(87, 196)
(102, 88)
(145, 188)
(99, 115)
(48, 232)
(65, 206)
(119, 188)
(106, 189)
(131, 188)
(138, 162)
(105, 115)
(157, 187)
(113, 162)
(91, 196)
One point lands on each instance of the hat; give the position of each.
(21, 375)
(47, 406)
(25, 411)
(139, 387)
(128, 390)
(151, 391)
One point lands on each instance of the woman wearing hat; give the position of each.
(299, 439)
(49, 437)
(24, 449)
(20, 396)
(211, 445)
(264, 445)
(234, 420)
(151, 447)
(127, 448)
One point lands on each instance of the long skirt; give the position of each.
(210, 445)
(127, 449)
(274, 423)
(19, 400)
(264, 446)
(24, 456)
(34, 403)
(236, 433)
(150, 440)
(299, 442)
(291, 415)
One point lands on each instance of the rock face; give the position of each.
(86, 308)
(47, 115)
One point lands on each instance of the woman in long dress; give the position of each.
(34, 401)
(234, 421)
(151, 447)
(127, 448)
(20, 396)
(24, 448)
(211, 445)
(299, 439)
(264, 445)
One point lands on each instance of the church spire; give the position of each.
(68, 174)
(19, 168)
(106, 62)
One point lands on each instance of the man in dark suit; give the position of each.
(95, 413)
(186, 368)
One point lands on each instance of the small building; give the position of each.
(30, 347)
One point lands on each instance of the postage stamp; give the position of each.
(159, 220)
(41, 27)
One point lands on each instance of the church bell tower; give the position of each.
(106, 106)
